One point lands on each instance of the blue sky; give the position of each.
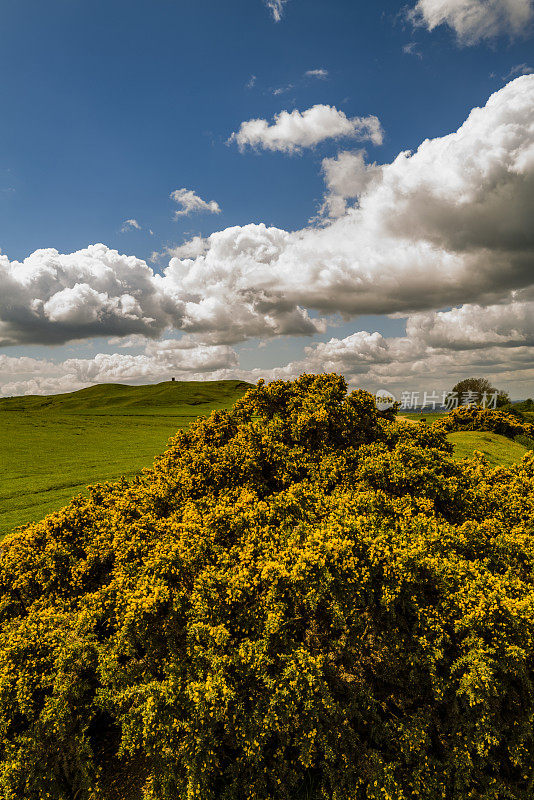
(111, 106)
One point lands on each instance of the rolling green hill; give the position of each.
(179, 398)
(499, 450)
(52, 447)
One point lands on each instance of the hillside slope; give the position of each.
(170, 397)
(499, 450)
(52, 447)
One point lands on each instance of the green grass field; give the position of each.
(53, 447)
(498, 449)
(417, 416)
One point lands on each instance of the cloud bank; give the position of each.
(459, 209)
(449, 225)
(158, 362)
(437, 350)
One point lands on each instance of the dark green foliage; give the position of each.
(481, 386)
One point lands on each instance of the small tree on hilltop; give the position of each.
(481, 386)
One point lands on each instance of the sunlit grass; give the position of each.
(498, 449)
(52, 448)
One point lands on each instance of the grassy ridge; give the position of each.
(498, 449)
(180, 398)
(53, 447)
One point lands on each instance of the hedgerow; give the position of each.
(302, 599)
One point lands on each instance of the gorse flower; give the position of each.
(303, 598)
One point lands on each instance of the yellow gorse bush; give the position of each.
(474, 418)
(303, 599)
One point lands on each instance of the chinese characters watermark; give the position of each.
(434, 401)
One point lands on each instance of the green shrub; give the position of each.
(526, 405)
(473, 418)
(526, 441)
(301, 599)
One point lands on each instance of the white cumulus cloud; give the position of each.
(291, 131)
(191, 203)
(438, 349)
(52, 298)
(448, 224)
(475, 20)
(346, 177)
(472, 327)
(224, 287)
